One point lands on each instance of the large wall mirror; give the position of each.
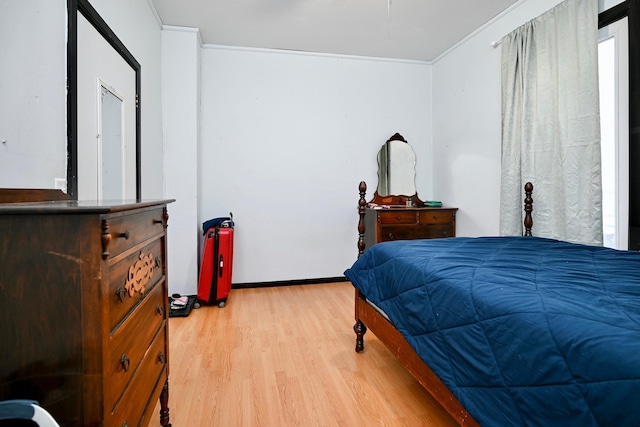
(103, 110)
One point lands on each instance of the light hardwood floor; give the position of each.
(284, 356)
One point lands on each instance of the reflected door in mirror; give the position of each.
(111, 153)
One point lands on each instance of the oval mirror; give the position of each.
(396, 168)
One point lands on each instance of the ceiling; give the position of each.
(402, 29)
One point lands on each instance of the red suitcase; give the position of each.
(214, 283)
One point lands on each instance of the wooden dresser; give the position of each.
(85, 309)
(403, 223)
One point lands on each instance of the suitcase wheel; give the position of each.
(221, 304)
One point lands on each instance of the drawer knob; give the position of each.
(445, 233)
(125, 235)
(160, 310)
(125, 424)
(390, 236)
(157, 221)
(125, 362)
(121, 293)
(161, 358)
(398, 217)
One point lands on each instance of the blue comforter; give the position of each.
(522, 330)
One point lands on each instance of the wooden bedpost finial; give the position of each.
(528, 207)
(361, 210)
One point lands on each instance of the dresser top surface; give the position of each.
(79, 206)
(399, 208)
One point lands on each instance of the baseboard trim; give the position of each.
(288, 283)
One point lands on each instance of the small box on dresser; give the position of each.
(85, 309)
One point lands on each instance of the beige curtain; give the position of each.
(551, 124)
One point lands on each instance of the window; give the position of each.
(614, 128)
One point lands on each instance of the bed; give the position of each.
(508, 330)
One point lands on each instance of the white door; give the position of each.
(106, 119)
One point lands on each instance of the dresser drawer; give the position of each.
(436, 217)
(151, 375)
(382, 225)
(398, 217)
(129, 230)
(130, 343)
(131, 278)
(437, 231)
(388, 233)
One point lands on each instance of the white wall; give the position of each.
(607, 4)
(285, 139)
(181, 111)
(467, 120)
(33, 94)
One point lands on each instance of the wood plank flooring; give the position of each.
(284, 356)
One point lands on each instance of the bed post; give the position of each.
(528, 207)
(359, 328)
(361, 210)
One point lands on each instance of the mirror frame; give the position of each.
(89, 13)
(396, 199)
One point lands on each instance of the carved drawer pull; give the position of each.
(161, 358)
(160, 310)
(122, 293)
(125, 362)
(140, 273)
(125, 235)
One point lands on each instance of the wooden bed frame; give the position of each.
(366, 314)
